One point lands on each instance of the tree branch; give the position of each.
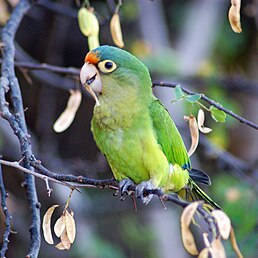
(84, 182)
(8, 217)
(17, 120)
(75, 72)
(211, 102)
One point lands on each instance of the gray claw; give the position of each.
(124, 184)
(139, 189)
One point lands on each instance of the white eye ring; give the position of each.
(107, 66)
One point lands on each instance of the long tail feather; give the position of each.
(194, 193)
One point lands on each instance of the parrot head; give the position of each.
(106, 66)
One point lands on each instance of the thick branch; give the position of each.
(8, 217)
(17, 119)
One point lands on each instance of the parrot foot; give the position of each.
(145, 185)
(124, 185)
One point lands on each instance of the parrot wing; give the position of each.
(168, 135)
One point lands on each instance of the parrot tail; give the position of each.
(195, 193)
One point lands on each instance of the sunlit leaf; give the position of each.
(59, 226)
(116, 31)
(46, 224)
(179, 93)
(70, 226)
(193, 126)
(193, 98)
(218, 115)
(223, 222)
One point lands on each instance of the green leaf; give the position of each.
(218, 115)
(193, 98)
(179, 93)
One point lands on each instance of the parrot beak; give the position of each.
(90, 79)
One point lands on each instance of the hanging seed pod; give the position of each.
(187, 236)
(234, 16)
(47, 223)
(93, 41)
(201, 119)
(116, 31)
(193, 126)
(88, 22)
(67, 116)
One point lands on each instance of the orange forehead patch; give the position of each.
(92, 57)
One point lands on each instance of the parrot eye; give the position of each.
(107, 66)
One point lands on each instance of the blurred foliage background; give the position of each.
(187, 42)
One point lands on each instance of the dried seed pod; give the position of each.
(60, 246)
(67, 116)
(217, 249)
(59, 226)
(65, 240)
(224, 223)
(200, 119)
(70, 226)
(204, 253)
(234, 16)
(194, 133)
(116, 31)
(46, 224)
(187, 236)
(88, 22)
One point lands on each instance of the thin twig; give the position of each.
(8, 217)
(211, 102)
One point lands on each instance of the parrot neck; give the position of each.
(121, 105)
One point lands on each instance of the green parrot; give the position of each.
(134, 130)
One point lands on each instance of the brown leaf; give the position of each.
(70, 226)
(223, 221)
(59, 226)
(187, 236)
(65, 240)
(46, 224)
(116, 31)
(194, 133)
(67, 116)
(201, 119)
(234, 16)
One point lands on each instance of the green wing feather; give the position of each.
(168, 135)
(173, 146)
